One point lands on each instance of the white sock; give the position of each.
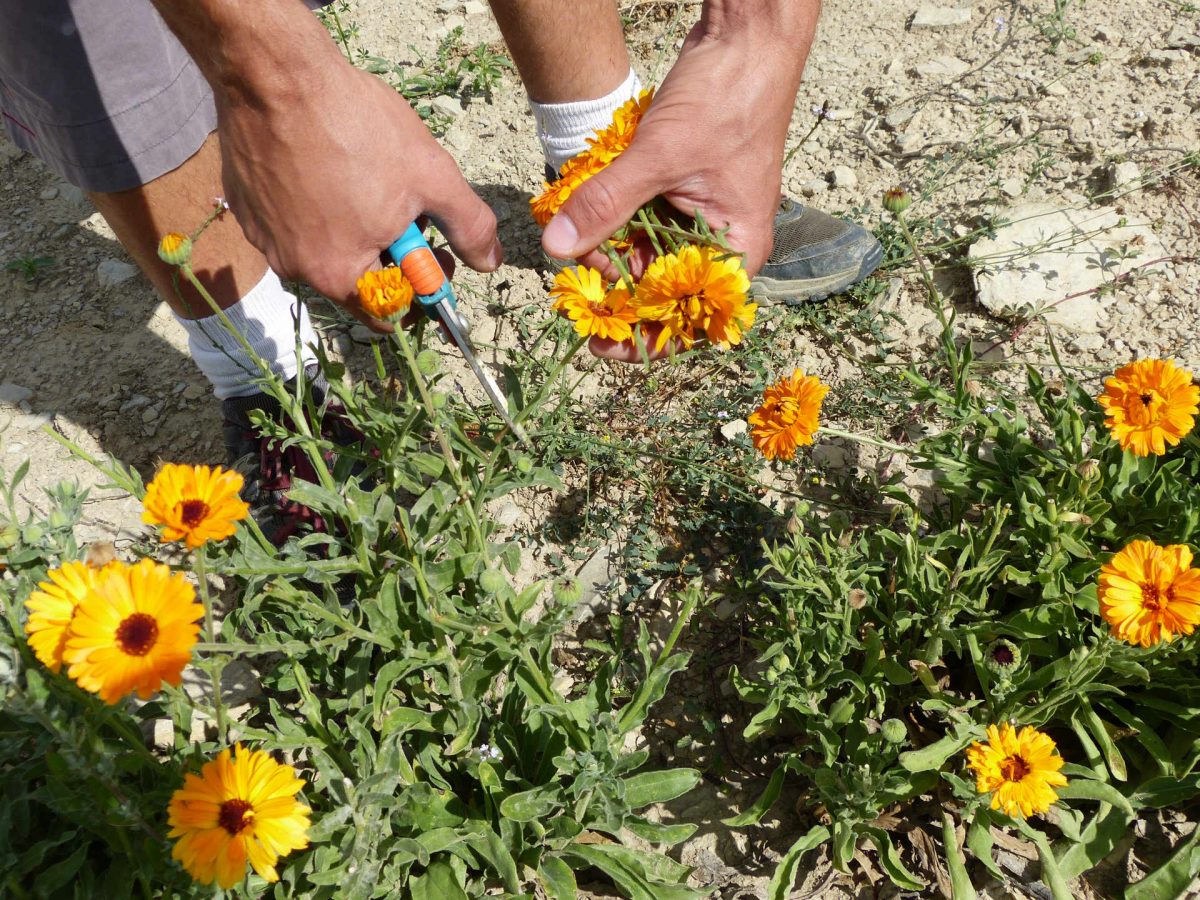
(265, 317)
(563, 128)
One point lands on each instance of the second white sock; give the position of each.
(266, 317)
(563, 128)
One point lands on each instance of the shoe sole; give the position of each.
(796, 292)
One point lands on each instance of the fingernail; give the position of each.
(495, 255)
(560, 237)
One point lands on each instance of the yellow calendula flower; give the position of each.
(239, 810)
(610, 143)
(175, 248)
(384, 292)
(598, 310)
(1151, 404)
(52, 609)
(1150, 594)
(699, 292)
(788, 417)
(133, 630)
(194, 504)
(1020, 770)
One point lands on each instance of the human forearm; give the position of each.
(251, 55)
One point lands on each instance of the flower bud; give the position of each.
(524, 465)
(1003, 657)
(973, 388)
(493, 581)
(566, 590)
(428, 362)
(1089, 470)
(896, 200)
(9, 535)
(894, 731)
(175, 249)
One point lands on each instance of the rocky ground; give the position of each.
(1072, 124)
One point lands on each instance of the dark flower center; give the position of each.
(1151, 597)
(235, 815)
(1003, 654)
(1013, 768)
(193, 512)
(137, 634)
(1146, 398)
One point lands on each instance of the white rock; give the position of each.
(897, 117)
(731, 430)
(506, 514)
(596, 578)
(1108, 34)
(830, 455)
(450, 107)
(1088, 342)
(940, 17)
(1055, 89)
(1165, 58)
(475, 8)
(1046, 254)
(194, 391)
(239, 684)
(112, 272)
(942, 67)
(1013, 187)
(1179, 38)
(1121, 174)
(843, 177)
(11, 394)
(814, 186)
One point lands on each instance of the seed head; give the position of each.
(896, 200)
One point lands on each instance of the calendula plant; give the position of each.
(1018, 650)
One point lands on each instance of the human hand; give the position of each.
(711, 143)
(323, 180)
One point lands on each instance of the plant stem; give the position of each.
(216, 662)
(935, 299)
(864, 439)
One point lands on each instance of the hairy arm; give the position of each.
(323, 165)
(713, 140)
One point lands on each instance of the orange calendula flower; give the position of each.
(237, 811)
(597, 310)
(1019, 769)
(578, 170)
(134, 630)
(697, 292)
(788, 417)
(194, 504)
(175, 248)
(1150, 594)
(384, 292)
(1151, 404)
(611, 142)
(52, 609)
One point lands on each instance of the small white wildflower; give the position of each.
(220, 203)
(722, 415)
(989, 409)
(487, 751)
(1001, 23)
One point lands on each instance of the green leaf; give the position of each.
(1097, 840)
(890, 860)
(658, 787)
(650, 691)
(1086, 789)
(934, 755)
(629, 871)
(558, 879)
(1097, 728)
(979, 841)
(1051, 874)
(1159, 792)
(658, 833)
(752, 814)
(784, 878)
(438, 883)
(527, 806)
(492, 848)
(1172, 878)
(960, 882)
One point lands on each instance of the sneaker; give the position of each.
(815, 255)
(269, 469)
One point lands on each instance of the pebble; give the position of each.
(942, 67)
(1107, 34)
(11, 393)
(1165, 58)
(137, 401)
(151, 413)
(1088, 342)
(48, 193)
(506, 514)
(1121, 174)
(450, 107)
(1012, 187)
(908, 144)
(475, 8)
(898, 117)
(731, 430)
(361, 334)
(112, 272)
(814, 186)
(843, 177)
(1179, 38)
(940, 17)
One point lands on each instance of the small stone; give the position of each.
(475, 8)
(843, 177)
(1121, 174)
(731, 430)
(112, 272)
(940, 17)
(137, 401)
(1165, 58)
(361, 334)
(1055, 89)
(507, 514)
(596, 579)
(1179, 38)
(830, 455)
(450, 107)
(899, 116)
(1088, 342)
(11, 394)
(1107, 34)
(942, 67)
(814, 186)
(194, 392)
(908, 144)
(445, 6)
(1012, 187)
(151, 413)
(48, 193)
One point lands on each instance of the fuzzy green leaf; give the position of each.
(784, 878)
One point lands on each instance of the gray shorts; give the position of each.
(100, 90)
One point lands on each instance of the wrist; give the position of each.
(781, 29)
